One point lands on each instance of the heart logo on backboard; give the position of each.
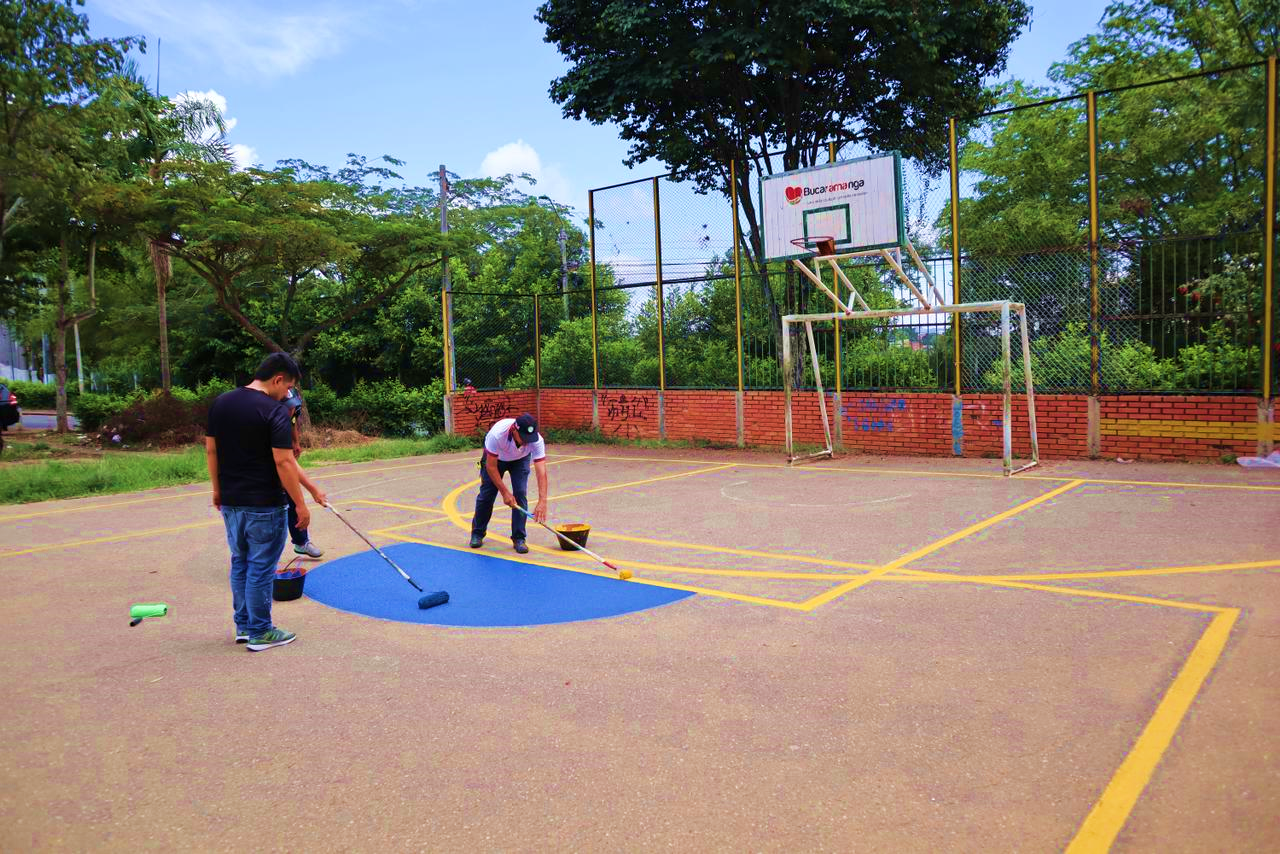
(794, 194)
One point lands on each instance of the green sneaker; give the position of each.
(275, 637)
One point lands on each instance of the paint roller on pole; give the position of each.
(430, 600)
(623, 574)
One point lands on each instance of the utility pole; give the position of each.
(562, 237)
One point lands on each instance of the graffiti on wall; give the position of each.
(627, 413)
(872, 414)
(485, 409)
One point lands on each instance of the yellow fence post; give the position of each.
(955, 249)
(657, 283)
(595, 341)
(1095, 352)
(1269, 238)
(448, 357)
(737, 266)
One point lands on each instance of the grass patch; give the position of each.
(115, 472)
(131, 471)
(390, 449)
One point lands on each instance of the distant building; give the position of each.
(13, 363)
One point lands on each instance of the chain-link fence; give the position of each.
(1130, 222)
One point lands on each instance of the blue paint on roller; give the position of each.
(957, 427)
(484, 590)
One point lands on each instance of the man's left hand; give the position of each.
(297, 451)
(540, 513)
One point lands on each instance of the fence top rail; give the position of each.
(1210, 72)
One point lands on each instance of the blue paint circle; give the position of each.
(484, 590)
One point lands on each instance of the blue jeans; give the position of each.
(256, 536)
(488, 492)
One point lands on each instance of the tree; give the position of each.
(46, 59)
(698, 86)
(1175, 161)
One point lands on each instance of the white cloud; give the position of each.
(243, 155)
(247, 38)
(519, 157)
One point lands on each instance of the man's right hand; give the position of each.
(509, 499)
(304, 517)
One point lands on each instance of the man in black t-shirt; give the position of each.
(249, 448)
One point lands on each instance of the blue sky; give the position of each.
(427, 81)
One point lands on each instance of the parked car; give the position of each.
(10, 414)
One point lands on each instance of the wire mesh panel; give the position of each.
(565, 339)
(627, 319)
(1181, 180)
(493, 340)
(701, 334)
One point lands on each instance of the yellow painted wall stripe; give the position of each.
(1112, 809)
(1159, 428)
(823, 598)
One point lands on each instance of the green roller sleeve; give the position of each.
(142, 611)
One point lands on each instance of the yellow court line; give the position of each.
(393, 504)
(721, 594)
(676, 544)
(915, 473)
(116, 504)
(640, 482)
(1111, 811)
(922, 575)
(416, 524)
(1108, 573)
(836, 592)
(112, 539)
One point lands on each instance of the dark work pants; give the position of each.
(298, 537)
(488, 492)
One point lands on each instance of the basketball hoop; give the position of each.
(822, 246)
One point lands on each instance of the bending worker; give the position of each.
(508, 447)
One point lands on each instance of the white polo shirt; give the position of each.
(498, 441)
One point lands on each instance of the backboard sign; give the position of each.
(858, 202)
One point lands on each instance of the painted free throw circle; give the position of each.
(484, 590)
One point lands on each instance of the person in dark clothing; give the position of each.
(300, 537)
(249, 448)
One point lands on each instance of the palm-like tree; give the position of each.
(186, 129)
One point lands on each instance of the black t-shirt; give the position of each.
(246, 424)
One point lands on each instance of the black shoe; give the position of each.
(520, 547)
(477, 540)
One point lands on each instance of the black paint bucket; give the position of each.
(288, 585)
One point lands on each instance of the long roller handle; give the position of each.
(381, 554)
(569, 541)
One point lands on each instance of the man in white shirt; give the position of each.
(508, 447)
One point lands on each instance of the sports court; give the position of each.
(865, 653)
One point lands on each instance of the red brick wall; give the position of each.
(1062, 425)
(569, 408)
(629, 413)
(1168, 427)
(710, 415)
(475, 413)
(1137, 426)
(878, 423)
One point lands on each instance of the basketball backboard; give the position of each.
(858, 202)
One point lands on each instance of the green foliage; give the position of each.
(1061, 362)
(160, 418)
(395, 410)
(33, 395)
(322, 403)
(94, 410)
(386, 449)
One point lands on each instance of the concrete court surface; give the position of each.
(881, 655)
